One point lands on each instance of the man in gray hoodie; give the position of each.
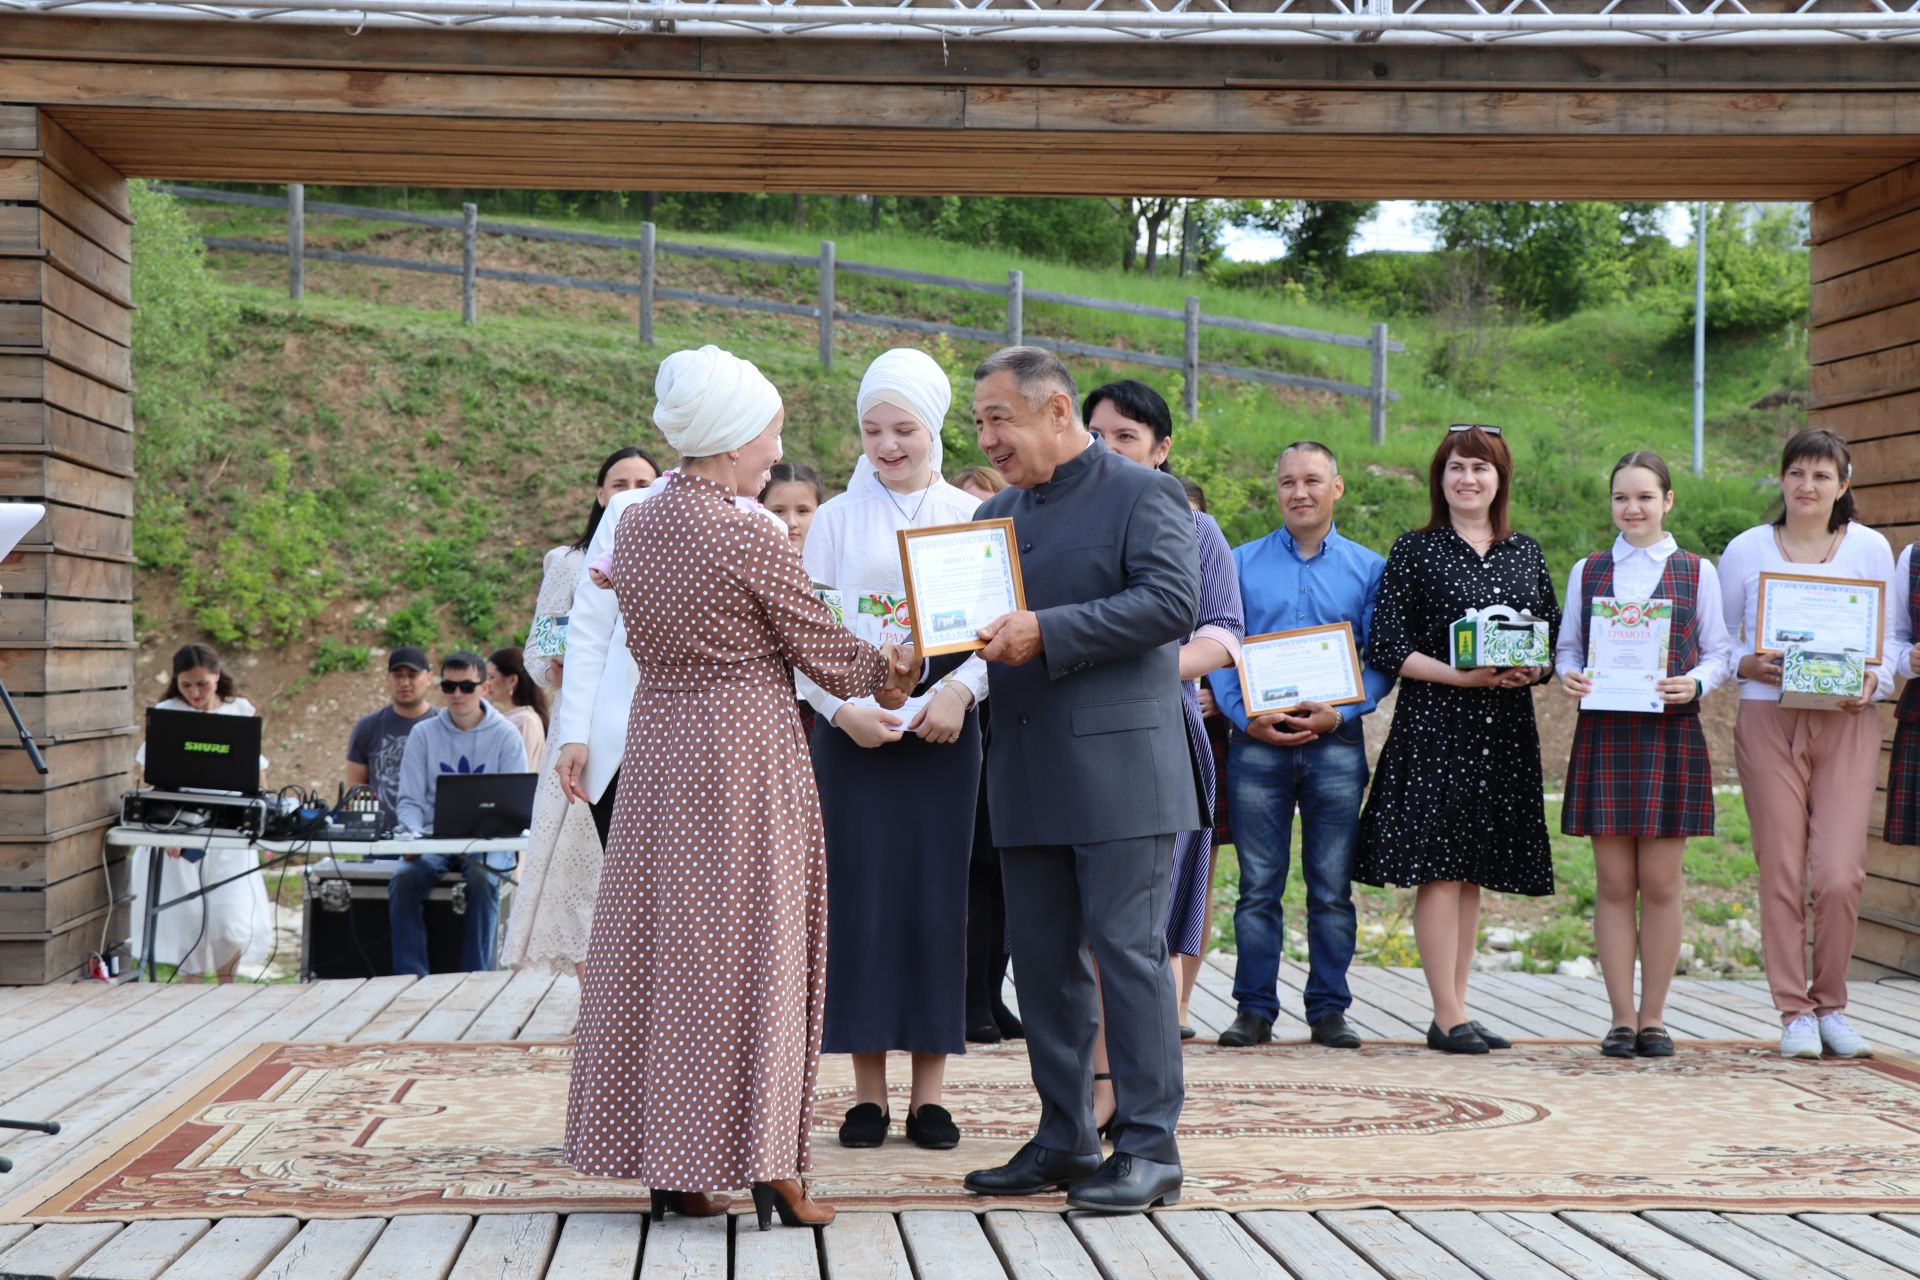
(465, 736)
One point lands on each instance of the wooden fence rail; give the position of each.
(826, 312)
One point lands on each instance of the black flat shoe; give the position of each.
(1247, 1030)
(1187, 1032)
(1333, 1032)
(865, 1126)
(984, 1033)
(1127, 1184)
(1008, 1022)
(1032, 1170)
(1653, 1042)
(931, 1126)
(1462, 1039)
(1493, 1038)
(1619, 1043)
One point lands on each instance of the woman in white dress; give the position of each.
(231, 925)
(552, 913)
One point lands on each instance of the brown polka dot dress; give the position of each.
(700, 1011)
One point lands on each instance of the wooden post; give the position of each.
(826, 305)
(1192, 404)
(646, 284)
(296, 240)
(1016, 307)
(1379, 406)
(469, 280)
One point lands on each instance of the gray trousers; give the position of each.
(1110, 898)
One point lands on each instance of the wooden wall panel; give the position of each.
(66, 613)
(1863, 351)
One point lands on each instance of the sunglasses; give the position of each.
(459, 686)
(1474, 426)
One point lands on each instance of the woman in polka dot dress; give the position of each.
(700, 1010)
(1456, 804)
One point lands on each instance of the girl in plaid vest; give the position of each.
(1639, 782)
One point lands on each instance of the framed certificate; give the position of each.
(959, 578)
(1825, 615)
(1283, 669)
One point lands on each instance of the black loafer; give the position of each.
(1619, 1043)
(1653, 1042)
(865, 1126)
(931, 1126)
(984, 1033)
(1493, 1038)
(1462, 1039)
(1032, 1170)
(1248, 1029)
(1009, 1023)
(1187, 1032)
(1127, 1184)
(1333, 1032)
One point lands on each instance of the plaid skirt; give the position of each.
(1633, 774)
(1903, 786)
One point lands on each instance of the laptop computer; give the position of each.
(482, 806)
(198, 751)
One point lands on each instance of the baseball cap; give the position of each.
(409, 655)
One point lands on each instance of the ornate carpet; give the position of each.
(339, 1130)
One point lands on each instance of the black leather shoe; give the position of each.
(1653, 1042)
(1032, 1170)
(1127, 1184)
(1187, 1032)
(984, 1033)
(1462, 1039)
(1008, 1022)
(1618, 1043)
(1333, 1032)
(865, 1126)
(1493, 1038)
(931, 1126)
(1248, 1029)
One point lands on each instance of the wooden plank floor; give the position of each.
(86, 1055)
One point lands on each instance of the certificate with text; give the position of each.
(1283, 669)
(959, 578)
(1823, 615)
(1627, 645)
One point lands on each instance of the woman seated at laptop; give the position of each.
(231, 923)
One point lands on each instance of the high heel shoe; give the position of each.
(1104, 1131)
(688, 1204)
(789, 1196)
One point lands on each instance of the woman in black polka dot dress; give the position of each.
(1456, 804)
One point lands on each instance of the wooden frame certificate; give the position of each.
(959, 578)
(1283, 669)
(1823, 615)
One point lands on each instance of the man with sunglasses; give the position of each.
(465, 736)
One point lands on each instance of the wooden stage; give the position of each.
(87, 1055)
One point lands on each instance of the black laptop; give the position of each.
(482, 806)
(199, 751)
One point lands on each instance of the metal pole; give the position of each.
(469, 281)
(826, 305)
(646, 284)
(1016, 307)
(296, 240)
(1192, 398)
(1379, 415)
(1700, 340)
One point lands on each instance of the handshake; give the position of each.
(903, 673)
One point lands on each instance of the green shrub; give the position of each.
(329, 655)
(412, 624)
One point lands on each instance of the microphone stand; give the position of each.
(40, 767)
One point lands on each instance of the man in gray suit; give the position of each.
(1088, 779)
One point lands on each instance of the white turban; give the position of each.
(711, 401)
(908, 379)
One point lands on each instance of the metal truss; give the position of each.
(1238, 21)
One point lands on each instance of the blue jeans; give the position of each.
(407, 910)
(1327, 779)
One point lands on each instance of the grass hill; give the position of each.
(362, 470)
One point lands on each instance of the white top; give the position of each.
(853, 545)
(1862, 553)
(231, 707)
(1636, 576)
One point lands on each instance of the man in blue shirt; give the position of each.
(1303, 574)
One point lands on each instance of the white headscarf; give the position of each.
(908, 379)
(711, 401)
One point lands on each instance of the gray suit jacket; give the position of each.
(1088, 742)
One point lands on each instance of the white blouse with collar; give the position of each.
(1636, 575)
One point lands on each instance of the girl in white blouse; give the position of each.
(1640, 782)
(1808, 774)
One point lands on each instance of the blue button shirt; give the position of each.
(1280, 591)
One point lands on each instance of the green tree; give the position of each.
(1551, 258)
(1756, 270)
(1318, 233)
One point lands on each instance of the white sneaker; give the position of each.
(1800, 1038)
(1841, 1040)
